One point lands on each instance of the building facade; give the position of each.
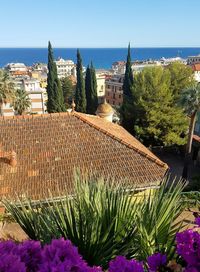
(114, 92)
(193, 60)
(65, 68)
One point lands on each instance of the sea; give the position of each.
(101, 57)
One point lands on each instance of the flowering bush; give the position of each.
(62, 256)
(156, 262)
(121, 264)
(29, 256)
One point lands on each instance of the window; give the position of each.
(114, 96)
(120, 96)
(113, 102)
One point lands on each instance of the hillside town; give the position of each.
(99, 136)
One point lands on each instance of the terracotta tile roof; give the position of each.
(50, 146)
(196, 138)
(196, 67)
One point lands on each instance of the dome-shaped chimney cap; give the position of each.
(104, 108)
(105, 111)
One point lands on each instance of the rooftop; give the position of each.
(49, 147)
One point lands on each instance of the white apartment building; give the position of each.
(193, 60)
(13, 67)
(65, 68)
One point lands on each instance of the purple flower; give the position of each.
(121, 264)
(60, 256)
(156, 261)
(11, 263)
(30, 253)
(7, 247)
(188, 247)
(197, 221)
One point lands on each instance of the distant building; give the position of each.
(193, 60)
(196, 69)
(37, 95)
(114, 92)
(100, 86)
(65, 68)
(119, 67)
(13, 67)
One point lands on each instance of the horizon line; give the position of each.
(89, 47)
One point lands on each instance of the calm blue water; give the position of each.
(101, 57)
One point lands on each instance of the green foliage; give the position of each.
(104, 220)
(156, 220)
(55, 101)
(181, 77)
(190, 99)
(127, 111)
(157, 120)
(80, 96)
(7, 90)
(68, 90)
(22, 102)
(91, 90)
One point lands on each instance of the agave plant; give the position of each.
(157, 219)
(103, 219)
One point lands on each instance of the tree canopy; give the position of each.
(55, 102)
(157, 119)
(68, 90)
(22, 102)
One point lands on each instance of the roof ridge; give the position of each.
(157, 161)
(30, 116)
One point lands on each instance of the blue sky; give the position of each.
(99, 23)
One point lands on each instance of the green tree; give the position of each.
(80, 97)
(91, 90)
(22, 102)
(7, 90)
(55, 102)
(181, 77)
(190, 101)
(128, 98)
(157, 121)
(68, 90)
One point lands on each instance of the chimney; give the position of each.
(9, 157)
(105, 111)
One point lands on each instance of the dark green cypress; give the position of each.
(55, 102)
(127, 108)
(91, 90)
(80, 97)
(128, 78)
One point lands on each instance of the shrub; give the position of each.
(105, 220)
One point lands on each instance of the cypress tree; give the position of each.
(91, 90)
(80, 97)
(127, 108)
(55, 101)
(128, 78)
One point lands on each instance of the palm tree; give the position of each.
(22, 102)
(7, 90)
(190, 100)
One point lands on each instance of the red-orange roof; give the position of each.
(196, 138)
(50, 146)
(196, 67)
